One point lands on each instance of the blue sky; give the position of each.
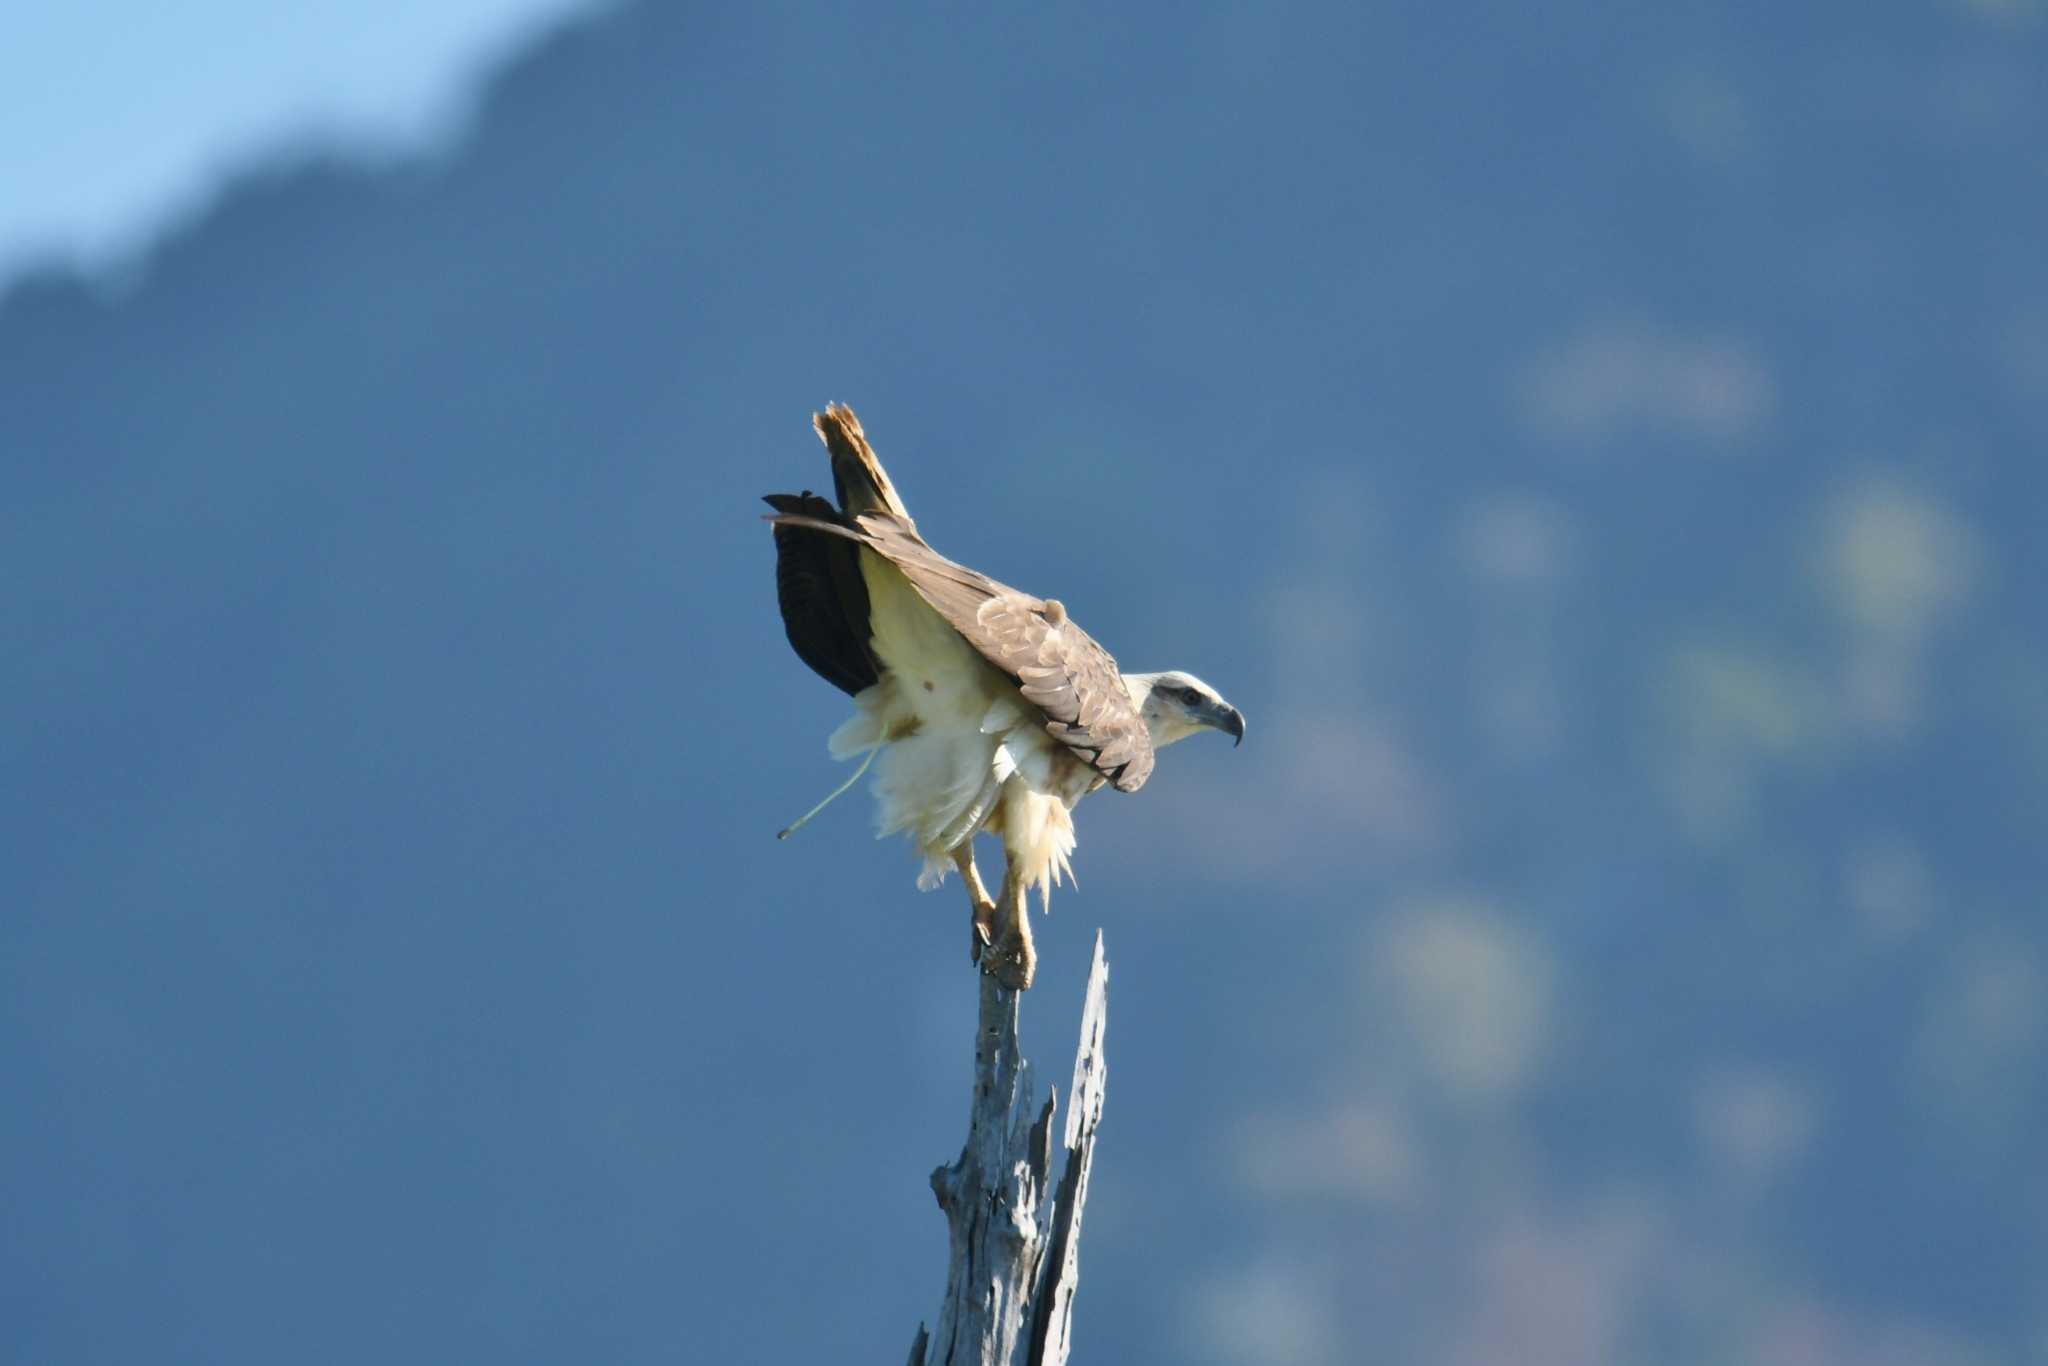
(120, 116)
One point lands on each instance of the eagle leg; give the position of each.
(984, 905)
(1010, 958)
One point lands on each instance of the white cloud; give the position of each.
(1619, 379)
(1887, 883)
(1754, 1122)
(1473, 990)
(1363, 1149)
(1559, 1289)
(1514, 538)
(1270, 1313)
(1896, 561)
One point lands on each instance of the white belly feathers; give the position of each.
(962, 749)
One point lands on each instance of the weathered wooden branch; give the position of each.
(1015, 1253)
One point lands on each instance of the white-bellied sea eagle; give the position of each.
(991, 710)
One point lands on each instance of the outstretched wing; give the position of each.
(1057, 666)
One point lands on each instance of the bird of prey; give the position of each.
(991, 709)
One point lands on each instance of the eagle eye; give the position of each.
(1191, 696)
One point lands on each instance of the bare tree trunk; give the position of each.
(1015, 1253)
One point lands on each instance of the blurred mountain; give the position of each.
(1599, 448)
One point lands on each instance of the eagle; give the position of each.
(991, 710)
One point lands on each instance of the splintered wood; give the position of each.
(1015, 1245)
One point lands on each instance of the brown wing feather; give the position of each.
(1059, 668)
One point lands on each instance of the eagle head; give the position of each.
(1175, 705)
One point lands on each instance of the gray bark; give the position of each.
(1015, 1247)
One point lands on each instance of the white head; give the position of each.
(1175, 705)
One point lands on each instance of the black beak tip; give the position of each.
(1236, 728)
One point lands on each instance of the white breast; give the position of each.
(964, 751)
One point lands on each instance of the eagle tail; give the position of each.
(857, 474)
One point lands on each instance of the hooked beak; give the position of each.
(1230, 721)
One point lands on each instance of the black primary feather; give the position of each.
(823, 597)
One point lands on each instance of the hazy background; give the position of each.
(1599, 447)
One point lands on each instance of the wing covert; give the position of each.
(1058, 667)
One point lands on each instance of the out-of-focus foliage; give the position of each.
(1599, 447)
